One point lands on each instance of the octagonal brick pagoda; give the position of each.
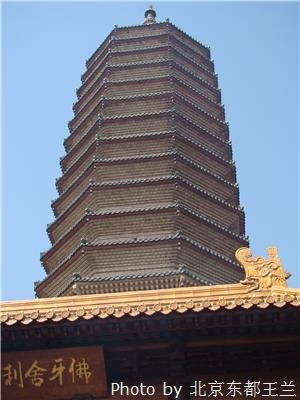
(148, 196)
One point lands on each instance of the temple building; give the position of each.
(151, 290)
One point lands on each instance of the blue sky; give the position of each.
(255, 47)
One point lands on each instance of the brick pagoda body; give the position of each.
(148, 196)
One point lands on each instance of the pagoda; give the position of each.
(142, 287)
(148, 197)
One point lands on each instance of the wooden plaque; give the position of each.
(53, 374)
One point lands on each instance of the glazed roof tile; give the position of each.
(145, 157)
(136, 240)
(162, 46)
(110, 38)
(135, 135)
(100, 137)
(207, 150)
(93, 184)
(134, 50)
(124, 277)
(213, 223)
(97, 243)
(207, 48)
(182, 269)
(83, 133)
(148, 180)
(163, 76)
(166, 112)
(112, 51)
(186, 138)
(80, 106)
(135, 115)
(191, 60)
(113, 280)
(208, 194)
(158, 94)
(191, 103)
(198, 166)
(162, 61)
(208, 99)
(180, 114)
(139, 240)
(112, 138)
(139, 96)
(172, 26)
(133, 210)
(150, 95)
(92, 58)
(129, 80)
(137, 157)
(170, 35)
(113, 211)
(195, 76)
(166, 76)
(90, 61)
(210, 251)
(152, 34)
(145, 303)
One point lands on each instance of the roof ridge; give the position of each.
(89, 212)
(161, 60)
(199, 166)
(199, 108)
(145, 48)
(100, 137)
(146, 239)
(167, 24)
(225, 141)
(145, 156)
(210, 251)
(202, 146)
(133, 210)
(182, 268)
(134, 96)
(144, 180)
(212, 222)
(114, 183)
(208, 194)
(148, 78)
(133, 63)
(96, 243)
(180, 300)
(143, 114)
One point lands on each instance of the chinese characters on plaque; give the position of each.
(53, 373)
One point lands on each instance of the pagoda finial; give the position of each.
(150, 15)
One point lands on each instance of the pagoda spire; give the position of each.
(150, 15)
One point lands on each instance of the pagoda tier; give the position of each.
(148, 196)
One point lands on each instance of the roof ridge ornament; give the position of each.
(262, 273)
(150, 15)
